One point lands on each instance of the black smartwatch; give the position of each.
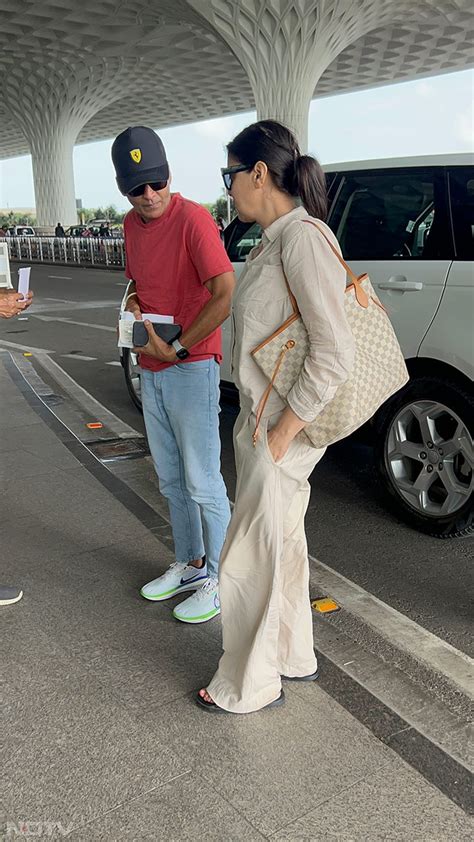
(181, 352)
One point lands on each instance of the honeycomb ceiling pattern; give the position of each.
(275, 40)
(89, 69)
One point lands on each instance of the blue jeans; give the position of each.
(181, 411)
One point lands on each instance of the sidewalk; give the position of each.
(102, 738)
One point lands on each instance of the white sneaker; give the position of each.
(201, 606)
(10, 594)
(179, 577)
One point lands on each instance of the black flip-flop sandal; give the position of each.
(311, 677)
(211, 707)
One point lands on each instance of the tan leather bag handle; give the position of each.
(354, 278)
(355, 281)
(360, 293)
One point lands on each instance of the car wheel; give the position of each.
(132, 376)
(425, 456)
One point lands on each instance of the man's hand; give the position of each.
(134, 308)
(156, 347)
(12, 303)
(137, 313)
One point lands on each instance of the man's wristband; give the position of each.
(181, 352)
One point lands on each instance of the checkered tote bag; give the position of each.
(379, 367)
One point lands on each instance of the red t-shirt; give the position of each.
(170, 259)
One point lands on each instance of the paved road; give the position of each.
(74, 316)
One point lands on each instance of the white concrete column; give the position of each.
(51, 129)
(50, 116)
(289, 104)
(53, 176)
(50, 108)
(286, 45)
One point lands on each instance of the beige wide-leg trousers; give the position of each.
(264, 573)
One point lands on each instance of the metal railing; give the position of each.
(78, 251)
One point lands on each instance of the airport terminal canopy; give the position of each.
(71, 73)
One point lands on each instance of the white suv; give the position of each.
(410, 224)
(21, 231)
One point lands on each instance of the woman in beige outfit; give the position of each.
(264, 571)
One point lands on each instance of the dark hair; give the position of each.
(296, 174)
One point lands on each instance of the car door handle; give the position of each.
(399, 282)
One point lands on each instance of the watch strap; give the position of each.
(181, 351)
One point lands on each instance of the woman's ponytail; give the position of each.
(298, 175)
(310, 186)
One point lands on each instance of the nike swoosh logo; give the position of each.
(193, 578)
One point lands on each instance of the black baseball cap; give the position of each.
(139, 157)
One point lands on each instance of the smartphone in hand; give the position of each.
(167, 332)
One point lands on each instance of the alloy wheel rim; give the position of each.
(429, 457)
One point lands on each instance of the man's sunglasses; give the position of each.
(228, 172)
(155, 185)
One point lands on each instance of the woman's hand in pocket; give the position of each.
(282, 434)
(278, 443)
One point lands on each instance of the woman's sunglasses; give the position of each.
(155, 185)
(228, 172)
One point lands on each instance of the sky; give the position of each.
(425, 117)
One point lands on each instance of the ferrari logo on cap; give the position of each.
(136, 155)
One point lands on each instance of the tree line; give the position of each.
(110, 212)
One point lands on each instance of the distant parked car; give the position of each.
(76, 231)
(21, 231)
(94, 226)
(409, 223)
(96, 223)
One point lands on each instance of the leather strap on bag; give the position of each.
(355, 284)
(360, 293)
(294, 303)
(361, 296)
(263, 400)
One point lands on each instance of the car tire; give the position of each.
(132, 377)
(424, 456)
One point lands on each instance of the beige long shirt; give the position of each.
(261, 303)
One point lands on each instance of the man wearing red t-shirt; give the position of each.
(179, 267)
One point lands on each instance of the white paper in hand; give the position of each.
(157, 318)
(126, 321)
(24, 280)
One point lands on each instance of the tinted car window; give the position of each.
(330, 183)
(241, 239)
(392, 214)
(461, 189)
